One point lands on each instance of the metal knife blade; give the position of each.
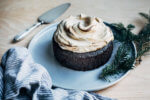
(54, 13)
(45, 18)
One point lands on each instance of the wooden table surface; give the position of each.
(17, 15)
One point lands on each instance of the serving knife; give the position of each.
(45, 18)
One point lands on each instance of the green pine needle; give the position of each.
(146, 16)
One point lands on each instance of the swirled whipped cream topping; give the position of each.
(82, 34)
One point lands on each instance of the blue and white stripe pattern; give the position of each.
(22, 79)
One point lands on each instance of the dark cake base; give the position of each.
(82, 61)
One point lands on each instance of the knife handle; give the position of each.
(21, 35)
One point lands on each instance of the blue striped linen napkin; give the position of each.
(23, 79)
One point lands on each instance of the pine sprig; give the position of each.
(144, 37)
(125, 33)
(123, 61)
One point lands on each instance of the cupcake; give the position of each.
(82, 42)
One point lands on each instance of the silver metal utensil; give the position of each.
(45, 18)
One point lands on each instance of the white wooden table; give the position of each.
(17, 15)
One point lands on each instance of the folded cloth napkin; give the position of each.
(23, 79)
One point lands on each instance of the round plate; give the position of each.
(42, 53)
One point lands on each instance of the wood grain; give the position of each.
(17, 15)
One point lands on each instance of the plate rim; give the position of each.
(31, 42)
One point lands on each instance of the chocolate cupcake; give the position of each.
(82, 43)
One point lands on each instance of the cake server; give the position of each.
(45, 18)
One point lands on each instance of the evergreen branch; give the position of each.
(123, 61)
(143, 37)
(125, 33)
